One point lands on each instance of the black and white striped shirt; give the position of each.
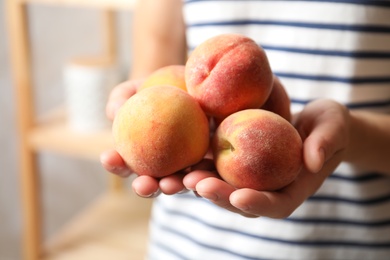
(319, 49)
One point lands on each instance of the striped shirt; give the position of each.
(319, 49)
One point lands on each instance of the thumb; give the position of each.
(328, 135)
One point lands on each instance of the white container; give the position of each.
(88, 83)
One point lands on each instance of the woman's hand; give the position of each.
(110, 159)
(144, 186)
(324, 128)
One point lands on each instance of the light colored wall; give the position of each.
(68, 184)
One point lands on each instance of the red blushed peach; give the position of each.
(257, 149)
(161, 130)
(278, 101)
(228, 73)
(171, 75)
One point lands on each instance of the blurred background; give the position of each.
(68, 184)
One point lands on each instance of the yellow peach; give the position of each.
(171, 75)
(161, 130)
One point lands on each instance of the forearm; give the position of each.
(369, 144)
(158, 36)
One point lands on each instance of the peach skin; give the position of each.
(257, 149)
(171, 75)
(161, 130)
(228, 73)
(278, 101)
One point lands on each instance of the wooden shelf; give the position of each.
(53, 134)
(104, 4)
(114, 227)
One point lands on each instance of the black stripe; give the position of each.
(323, 26)
(355, 105)
(329, 221)
(369, 202)
(361, 178)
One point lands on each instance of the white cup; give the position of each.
(88, 83)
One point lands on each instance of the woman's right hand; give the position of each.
(111, 160)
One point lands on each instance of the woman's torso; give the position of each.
(319, 49)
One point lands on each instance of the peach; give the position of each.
(161, 130)
(278, 101)
(228, 73)
(172, 75)
(257, 149)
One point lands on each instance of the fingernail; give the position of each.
(242, 207)
(149, 196)
(209, 196)
(120, 171)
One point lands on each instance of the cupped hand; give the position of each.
(324, 128)
(144, 186)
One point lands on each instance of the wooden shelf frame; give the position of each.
(52, 134)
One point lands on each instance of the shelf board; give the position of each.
(110, 4)
(115, 226)
(52, 133)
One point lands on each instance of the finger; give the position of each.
(313, 154)
(113, 107)
(323, 143)
(218, 192)
(113, 162)
(146, 186)
(325, 132)
(193, 178)
(270, 204)
(202, 170)
(119, 95)
(172, 184)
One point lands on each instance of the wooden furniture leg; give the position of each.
(20, 60)
(116, 184)
(109, 40)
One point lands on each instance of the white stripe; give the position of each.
(307, 90)
(332, 13)
(326, 65)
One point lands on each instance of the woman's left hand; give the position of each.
(324, 128)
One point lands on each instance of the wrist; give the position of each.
(369, 144)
